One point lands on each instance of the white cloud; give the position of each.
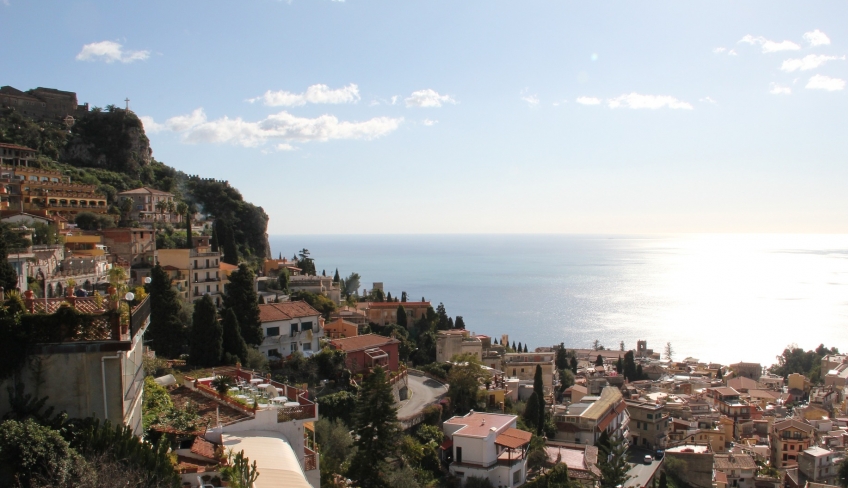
(196, 128)
(719, 50)
(314, 94)
(816, 38)
(707, 100)
(427, 98)
(150, 126)
(822, 82)
(394, 99)
(635, 100)
(110, 51)
(588, 101)
(777, 89)
(532, 100)
(429, 122)
(770, 46)
(284, 147)
(811, 61)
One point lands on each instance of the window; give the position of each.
(196, 291)
(272, 331)
(650, 416)
(306, 326)
(195, 276)
(307, 346)
(294, 347)
(293, 330)
(208, 289)
(459, 454)
(273, 352)
(516, 477)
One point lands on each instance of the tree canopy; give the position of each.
(166, 332)
(376, 428)
(241, 298)
(207, 335)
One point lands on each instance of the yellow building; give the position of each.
(340, 328)
(85, 245)
(789, 438)
(202, 269)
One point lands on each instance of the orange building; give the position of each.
(340, 328)
(384, 313)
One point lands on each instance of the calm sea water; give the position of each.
(714, 297)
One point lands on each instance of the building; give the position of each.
(367, 351)
(12, 155)
(133, 248)
(522, 365)
(290, 327)
(384, 313)
(319, 285)
(486, 445)
(150, 205)
(740, 469)
(649, 424)
(200, 265)
(45, 192)
(788, 439)
(837, 376)
(456, 342)
(581, 460)
(92, 372)
(42, 103)
(340, 328)
(273, 267)
(748, 370)
(698, 460)
(819, 465)
(583, 422)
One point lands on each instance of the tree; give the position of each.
(669, 352)
(573, 364)
(8, 276)
(465, 378)
(336, 277)
(599, 361)
(597, 346)
(222, 384)
(93, 221)
(227, 242)
(401, 316)
(531, 411)
(207, 335)
(842, 474)
(525, 347)
(166, 332)
(234, 346)
(519, 348)
(629, 367)
(619, 366)
(478, 482)
(566, 379)
(613, 462)
(30, 453)
(561, 357)
(189, 211)
(663, 480)
(719, 374)
(351, 285)
(539, 389)
(336, 443)
(389, 297)
(460, 323)
(283, 280)
(442, 324)
(242, 298)
(376, 428)
(403, 297)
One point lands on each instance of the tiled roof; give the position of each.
(15, 146)
(513, 438)
(733, 461)
(725, 391)
(361, 342)
(208, 409)
(202, 447)
(227, 266)
(144, 190)
(394, 305)
(778, 426)
(273, 312)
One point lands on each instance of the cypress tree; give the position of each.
(531, 411)
(234, 344)
(213, 241)
(189, 212)
(228, 242)
(8, 276)
(539, 390)
(573, 364)
(377, 430)
(166, 332)
(519, 348)
(242, 298)
(663, 480)
(403, 297)
(283, 280)
(561, 357)
(599, 361)
(401, 316)
(460, 323)
(513, 345)
(207, 335)
(525, 347)
(336, 277)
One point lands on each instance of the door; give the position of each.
(459, 454)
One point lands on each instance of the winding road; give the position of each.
(422, 391)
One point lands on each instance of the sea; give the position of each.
(718, 298)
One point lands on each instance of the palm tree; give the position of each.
(182, 208)
(222, 384)
(160, 206)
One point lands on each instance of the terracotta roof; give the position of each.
(733, 461)
(513, 438)
(206, 407)
(202, 447)
(143, 190)
(361, 342)
(227, 266)
(15, 146)
(725, 391)
(778, 426)
(721, 477)
(273, 312)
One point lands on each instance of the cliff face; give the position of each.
(110, 140)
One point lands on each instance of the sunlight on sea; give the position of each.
(714, 297)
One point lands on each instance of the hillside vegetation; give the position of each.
(108, 148)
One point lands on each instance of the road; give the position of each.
(422, 391)
(639, 472)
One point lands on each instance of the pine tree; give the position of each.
(403, 297)
(613, 463)
(234, 344)
(519, 348)
(561, 357)
(531, 411)
(573, 364)
(401, 316)
(460, 323)
(207, 335)
(525, 347)
(242, 298)
(8, 276)
(377, 430)
(336, 277)
(166, 332)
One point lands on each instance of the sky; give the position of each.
(395, 117)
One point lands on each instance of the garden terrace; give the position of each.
(209, 410)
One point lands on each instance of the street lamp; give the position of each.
(129, 297)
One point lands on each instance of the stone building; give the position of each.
(42, 103)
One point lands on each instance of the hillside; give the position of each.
(109, 148)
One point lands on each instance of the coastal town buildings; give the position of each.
(319, 285)
(384, 313)
(149, 205)
(364, 352)
(788, 439)
(290, 327)
(522, 365)
(42, 103)
(44, 192)
(456, 342)
(819, 465)
(585, 421)
(486, 445)
(649, 424)
(340, 328)
(200, 265)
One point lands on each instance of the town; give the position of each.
(142, 307)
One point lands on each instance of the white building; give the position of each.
(290, 327)
(487, 445)
(319, 285)
(818, 465)
(583, 422)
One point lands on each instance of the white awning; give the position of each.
(276, 461)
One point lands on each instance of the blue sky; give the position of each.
(465, 117)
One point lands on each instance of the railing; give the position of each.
(310, 459)
(300, 412)
(139, 316)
